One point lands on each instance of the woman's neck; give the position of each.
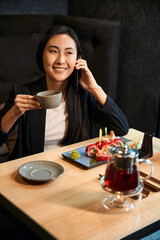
(61, 86)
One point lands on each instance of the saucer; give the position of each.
(40, 171)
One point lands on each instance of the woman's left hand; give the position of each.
(86, 80)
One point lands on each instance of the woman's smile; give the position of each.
(59, 57)
(59, 70)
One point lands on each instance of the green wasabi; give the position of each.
(75, 154)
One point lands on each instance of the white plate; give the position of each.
(41, 170)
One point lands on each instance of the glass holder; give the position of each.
(119, 201)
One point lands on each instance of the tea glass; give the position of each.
(121, 180)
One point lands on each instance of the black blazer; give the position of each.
(31, 125)
(30, 138)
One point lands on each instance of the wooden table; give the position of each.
(70, 207)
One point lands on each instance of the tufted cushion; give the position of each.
(20, 35)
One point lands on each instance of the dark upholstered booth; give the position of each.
(20, 35)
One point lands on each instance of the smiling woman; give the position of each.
(59, 59)
(83, 105)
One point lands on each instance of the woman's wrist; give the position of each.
(15, 113)
(99, 95)
(8, 120)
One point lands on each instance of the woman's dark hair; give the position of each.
(59, 29)
(78, 123)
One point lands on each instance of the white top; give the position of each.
(56, 126)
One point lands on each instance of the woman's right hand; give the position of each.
(23, 103)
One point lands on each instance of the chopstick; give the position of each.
(151, 187)
(100, 176)
(155, 180)
(145, 193)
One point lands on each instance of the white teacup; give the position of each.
(49, 99)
